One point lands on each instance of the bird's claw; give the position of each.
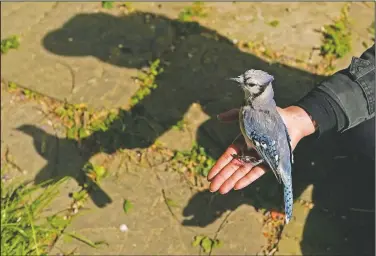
(247, 159)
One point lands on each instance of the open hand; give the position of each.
(230, 173)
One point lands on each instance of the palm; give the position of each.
(230, 173)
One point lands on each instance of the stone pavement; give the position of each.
(72, 48)
(71, 51)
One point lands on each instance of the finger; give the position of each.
(250, 177)
(224, 160)
(231, 115)
(235, 177)
(224, 174)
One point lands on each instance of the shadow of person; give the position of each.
(64, 159)
(342, 221)
(197, 61)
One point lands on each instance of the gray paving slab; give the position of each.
(73, 48)
(152, 229)
(83, 53)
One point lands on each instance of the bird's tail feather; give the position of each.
(288, 200)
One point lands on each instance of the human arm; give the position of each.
(341, 102)
(345, 99)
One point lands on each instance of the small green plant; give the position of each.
(12, 42)
(82, 122)
(107, 4)
(12, 86)
(207, 244)
(171, 203)
(195, 161)
(23, 231)
(147, 80)
(80, 196)
(94, 172)
(274, 23)
(196, 10)
(128, 6)
(29, 94)
(127, 206)
(180, 125)
(93, 176)
(337, 37)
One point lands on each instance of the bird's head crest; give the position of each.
(254, 82)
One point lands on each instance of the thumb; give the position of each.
(229, 116)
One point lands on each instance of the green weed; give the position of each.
(337, 37)
(81, 122)
(206, 243)
(107, 4)
(180, 125)
(128, 6)
(127, 206)
(80, 196)
(12, 42)
(195, 161)
(196, 10)
(23, 231)
(274, 23)
(29, 94)
(261, 49)
(171, 203)
(93, 176)
(94, 172)
(147, 79)
(12, 86)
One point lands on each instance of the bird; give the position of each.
(264, 131)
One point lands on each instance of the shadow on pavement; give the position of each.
(197, 62)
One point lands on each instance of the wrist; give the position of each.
(302, 121)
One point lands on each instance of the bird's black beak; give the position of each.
(238, 79)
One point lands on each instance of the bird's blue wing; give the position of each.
(290, 147)
(264, 138)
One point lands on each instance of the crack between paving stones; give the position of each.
(56, 162)
(6, 81)
(13, 11)
(191, 186)
(165, 198)
(73, 76)
(171, 211)
(45, 15)
(219, 229)
(10, 161)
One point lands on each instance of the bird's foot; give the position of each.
(248, 159)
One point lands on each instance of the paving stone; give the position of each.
(83, 53)
(152, 228)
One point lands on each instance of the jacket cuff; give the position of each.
(327, 114)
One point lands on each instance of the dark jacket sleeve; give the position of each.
(345, 99)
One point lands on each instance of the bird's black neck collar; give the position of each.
(251, 98)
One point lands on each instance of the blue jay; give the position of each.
(264, 130)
